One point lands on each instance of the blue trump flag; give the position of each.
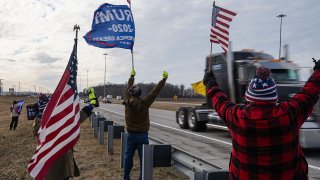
(112, 26)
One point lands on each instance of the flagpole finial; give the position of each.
(76, 28)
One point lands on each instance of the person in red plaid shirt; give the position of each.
(265, 134)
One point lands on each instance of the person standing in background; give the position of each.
(40, 106)
(15, 115)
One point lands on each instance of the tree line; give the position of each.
(168, 91)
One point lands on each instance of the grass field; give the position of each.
(17, 147)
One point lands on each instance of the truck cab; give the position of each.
(285, 73)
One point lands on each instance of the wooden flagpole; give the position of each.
(210, 55)
(132, 62)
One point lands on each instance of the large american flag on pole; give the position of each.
(60, 126)
(221, 19)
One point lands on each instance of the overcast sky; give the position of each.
(37, 37)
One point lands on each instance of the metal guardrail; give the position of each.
(193, 167)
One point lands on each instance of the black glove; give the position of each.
(209, 79)
(316, 64)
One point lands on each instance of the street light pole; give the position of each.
(1, 87)
(104, 82)
(87, 79)
(280, 16)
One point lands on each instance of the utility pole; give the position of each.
(87, 79)
(80, 84)
(19, 92)
(280, 16)
(104, 82)
(1, 87)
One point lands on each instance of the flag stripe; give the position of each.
(221, 38)
(220, 24)
(55, 97)
(55, 118)
(44, 162)
(58, 125)
(224, 18)
(66, 93)
(222, 30)
(67, 101)
(220, 34)
(228, 12)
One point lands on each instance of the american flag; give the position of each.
(221, 18)
(60, 126)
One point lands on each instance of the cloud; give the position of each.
(21, 50)
(45, 58)
(170, 35)
(7, 59)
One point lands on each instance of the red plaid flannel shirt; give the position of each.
(265, 136)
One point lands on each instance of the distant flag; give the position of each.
(221, 19)
(199, 88)
(60, 126)
(20, 105)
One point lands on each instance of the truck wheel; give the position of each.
(182, 117)
(194, 123)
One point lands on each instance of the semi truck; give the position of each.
(233, 73)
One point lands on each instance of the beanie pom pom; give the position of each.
(263, 72)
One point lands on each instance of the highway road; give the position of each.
(213, 146)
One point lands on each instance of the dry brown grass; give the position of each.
(17, 147)
(171, 105)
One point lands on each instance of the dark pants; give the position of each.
(14, 122)
(134, 141)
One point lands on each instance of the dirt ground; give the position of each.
(17, 147)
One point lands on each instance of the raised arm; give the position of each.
(156, 90)
(302, 103)
(130, 81)
(222, 104)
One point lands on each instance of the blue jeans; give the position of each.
(134, 141)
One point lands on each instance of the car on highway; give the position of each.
(107, 100)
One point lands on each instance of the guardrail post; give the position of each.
(93, 117)
(219, 174)
(101, 132)
(161, 155)
(124, 137)
(198, 175)
(106, 124)
(110, 139)
(147, 162)
(95, 127)
(117, 131)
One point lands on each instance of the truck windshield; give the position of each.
(251, 56)
(284, 74)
